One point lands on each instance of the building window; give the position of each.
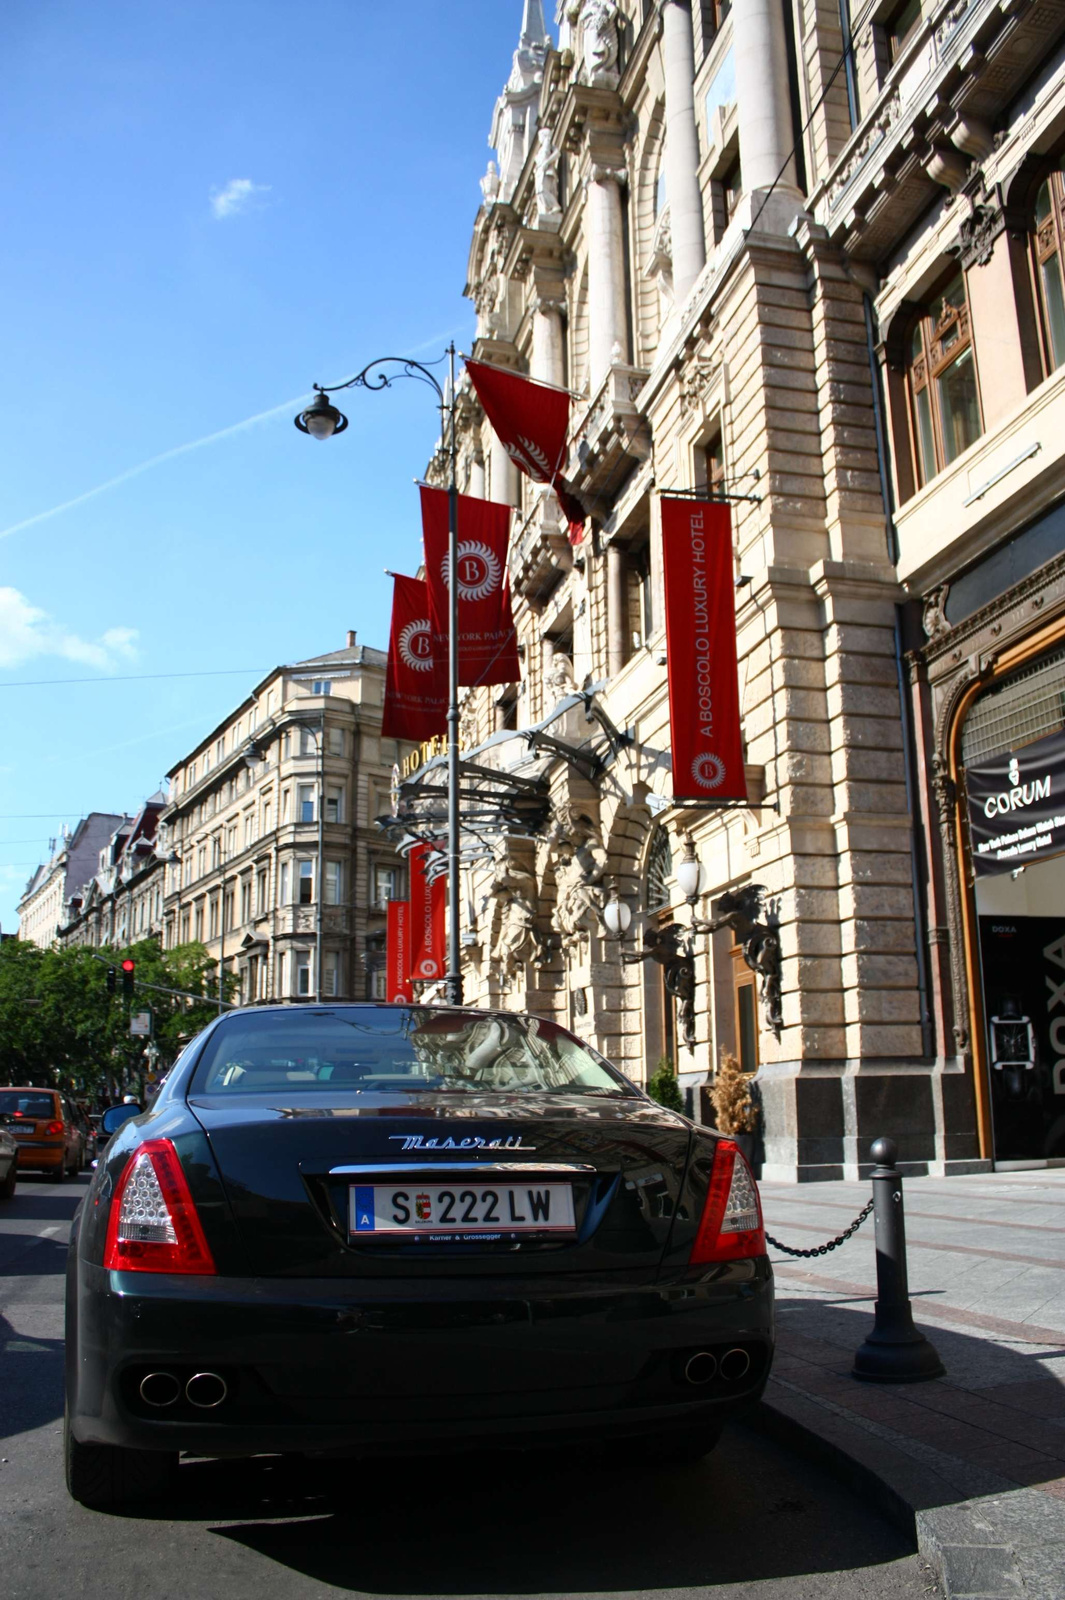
(286, 801)
(261, 889)
(220, 749)
(334, 883)
(639, 594)
(245, 900)
(308, 742)
(212, 918)
(229, 909)
(267, 814)
(303, 972)
(201, 861)
(284, 899)
(334, 805)
(321, 686)
(942, 377)
(331, 972)
(336, 741)
(305, 801)
(386, 885)
(659, 872)
(1049, 234)
(306, 881)
(901, 26)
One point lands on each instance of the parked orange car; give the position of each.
(50, 1139)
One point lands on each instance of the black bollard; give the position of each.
(894, 1351)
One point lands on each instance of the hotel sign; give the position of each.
(1017, 806)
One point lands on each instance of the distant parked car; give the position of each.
(49, 1137)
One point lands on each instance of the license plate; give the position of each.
(25, 1133)
(481, 1211)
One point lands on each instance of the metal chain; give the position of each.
(823, 1249)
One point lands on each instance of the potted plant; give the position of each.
(663, 1086)
(735, 1108)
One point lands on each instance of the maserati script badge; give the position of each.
(418, 1141)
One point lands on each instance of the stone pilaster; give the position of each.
(682, 148)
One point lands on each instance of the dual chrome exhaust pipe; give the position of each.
(704, 1366)
(205, 1390)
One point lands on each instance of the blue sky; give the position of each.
(209, 205)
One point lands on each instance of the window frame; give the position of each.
(923, 373)
(1047, 241)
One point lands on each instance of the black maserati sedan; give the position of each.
(360, 1230)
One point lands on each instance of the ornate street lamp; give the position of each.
(322, 420)
(689, 872)
(616, 914)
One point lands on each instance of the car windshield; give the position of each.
(13, 1103)
(379, 1049)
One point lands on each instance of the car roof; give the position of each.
(26, 1088)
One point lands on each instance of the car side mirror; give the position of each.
(115, 1116)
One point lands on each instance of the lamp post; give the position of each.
(321, 420)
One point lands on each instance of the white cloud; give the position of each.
(237, 196)
(27, 632)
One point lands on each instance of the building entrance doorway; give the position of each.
(1021, 923)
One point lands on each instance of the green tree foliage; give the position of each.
(59, 1027)
(664, 1088)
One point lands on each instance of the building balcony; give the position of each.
(541, 554)
(612, 437)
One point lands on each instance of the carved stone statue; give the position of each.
(490, 184)
(560, 680)
(599, 32)
(578, 845)
(548, 201)
(518, 940)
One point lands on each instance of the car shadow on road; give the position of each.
(37, 1199)
(539, 1523)
(31, 1380)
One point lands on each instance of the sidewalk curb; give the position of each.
(1008, 1544)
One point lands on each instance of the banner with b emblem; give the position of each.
(416, 675)
(397, 954)
(531, 420)
(704, 697)
(488, 644)
(427, 901)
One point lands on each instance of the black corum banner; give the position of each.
(1017, 806)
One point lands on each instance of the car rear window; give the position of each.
(15, 1104)
(366, 1050)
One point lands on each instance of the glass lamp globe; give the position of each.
(617, 916)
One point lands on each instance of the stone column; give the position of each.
(475, 486)
(617, 617)
(763, 96)
(502, 476)
(547, 350)
(606, 272)
(682, 147)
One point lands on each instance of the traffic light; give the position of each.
(112, 980)
(128, 969)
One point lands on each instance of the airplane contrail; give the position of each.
(146, 466)
(178, 450)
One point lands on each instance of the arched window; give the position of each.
(942, 379)
(659, 871)
(1048, 241)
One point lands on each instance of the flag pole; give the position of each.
(453, 980)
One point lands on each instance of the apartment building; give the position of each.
(123, 900)
(45, 906)
(808, 257)
(268, 840)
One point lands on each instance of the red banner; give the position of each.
(488, 644)
(427, 902)
(532, 422)
(398, 987)
(416, 675)
(704, 697)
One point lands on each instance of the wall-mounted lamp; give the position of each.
(616, 914)
(689, 872)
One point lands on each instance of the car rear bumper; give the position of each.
(41, 1156)
(314, 1365)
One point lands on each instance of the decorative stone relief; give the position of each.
(560, 680)
(950, 22)
(977, 235)
(743, 910)
(670, 948)
(878, 129)
(933, 619)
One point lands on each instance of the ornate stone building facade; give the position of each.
(734, 234)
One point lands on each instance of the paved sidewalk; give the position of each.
(976, 1460)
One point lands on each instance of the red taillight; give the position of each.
(154, 1225)
(731, 1226)
(53, 1127)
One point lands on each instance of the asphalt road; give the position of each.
(751, 1521)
